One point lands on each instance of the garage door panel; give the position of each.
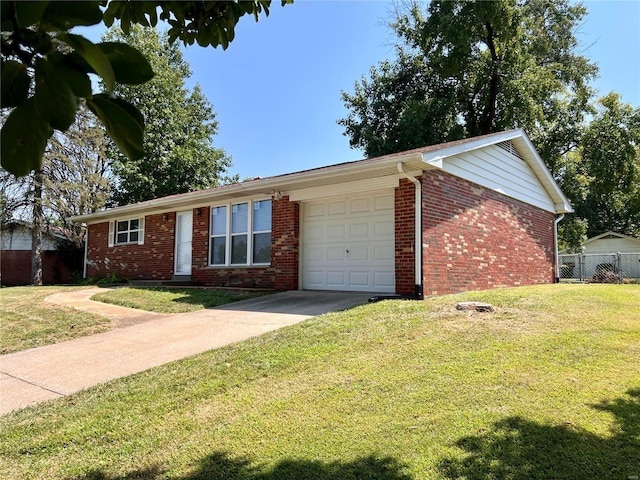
(336, 254)
(336, 280)
(359, 254)
(337, 231)
(384, 281)
(359, 205)
(315, 210)
(359, 230)
(337, 208)
(384, 229)
(383, 202)
(348, 244)
(315, 279)
(359, 279)
(383, 252)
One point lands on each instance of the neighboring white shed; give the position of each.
(609, 251)
(610, 243)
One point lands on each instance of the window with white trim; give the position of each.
(123, 232)
(241, 234)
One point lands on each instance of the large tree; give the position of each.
(608, 168)
(31, 40)
(471, 68)
(180, 125)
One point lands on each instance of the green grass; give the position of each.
(28, 322)
(548, 386)
(173, 300)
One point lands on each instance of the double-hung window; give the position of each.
(122, 232)
(241, 234)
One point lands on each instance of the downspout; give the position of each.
(418, 290)
(555, 245)
(86, 251)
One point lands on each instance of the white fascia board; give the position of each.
(435, 157)
(545, 177)
(261, 187)
(606, 234)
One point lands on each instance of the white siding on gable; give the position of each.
(612, 245)
(20, 239)
(495, 168)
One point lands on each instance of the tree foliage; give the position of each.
(180, 125)
(74, 179)
(608, 163)
(46, 69)
(471, 68)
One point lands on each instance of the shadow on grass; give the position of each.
(519, 448)
(219, 466)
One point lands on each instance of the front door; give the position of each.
(184, 228)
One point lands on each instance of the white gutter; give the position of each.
(555, 244)
(419, 293)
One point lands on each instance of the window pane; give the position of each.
(239, 249)
(262, 216)
(134, 224)
(123, 226)
(218, 250)
(239, 218)
(219, 220)
(262, 248)
(133, 237)
(122, 238)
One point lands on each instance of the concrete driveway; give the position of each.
(144, 340)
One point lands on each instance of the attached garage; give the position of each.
(347, 243)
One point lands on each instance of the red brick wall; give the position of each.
(285, 244)
(151, 261)
(154, 259)
(405, 201)
(57, 267)
(282, 274)
(476, 239)
(246, 277)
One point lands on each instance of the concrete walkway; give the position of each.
(142, 340)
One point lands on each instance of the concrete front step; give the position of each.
(164, 283)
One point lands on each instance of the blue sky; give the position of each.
(276, 89)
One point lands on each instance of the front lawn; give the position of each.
(26, 321)
(548, 386)
(173, 300)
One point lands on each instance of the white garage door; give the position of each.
(348, 244)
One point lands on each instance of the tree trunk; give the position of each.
(487, 123)
(36, 231)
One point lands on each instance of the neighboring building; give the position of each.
(486, 218)
(59, 260)
(611, 243)
(609, 251)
